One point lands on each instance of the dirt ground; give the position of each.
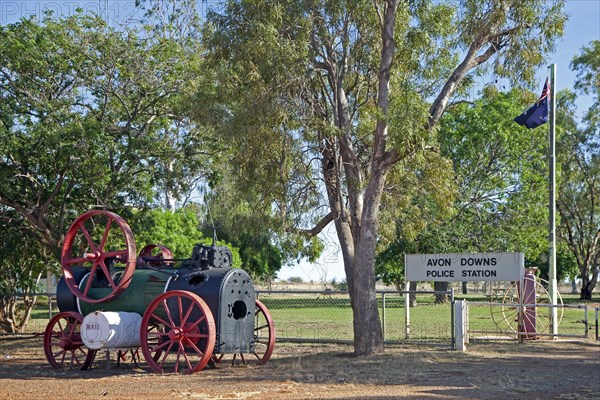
(501, 370)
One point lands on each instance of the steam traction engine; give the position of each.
(181, 313)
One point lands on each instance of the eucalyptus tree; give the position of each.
(328, 105)
(578, 200)
(578, 204)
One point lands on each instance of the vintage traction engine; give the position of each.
(181, 313)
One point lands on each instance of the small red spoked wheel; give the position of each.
(264, 333)
(178, 333)
(98, 239)
(154, 254)
(63, 346)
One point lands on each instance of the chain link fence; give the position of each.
(325, 316)
(497, 321)
(313, 316)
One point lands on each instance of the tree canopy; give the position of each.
(92, 116)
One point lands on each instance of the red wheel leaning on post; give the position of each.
(99, 240)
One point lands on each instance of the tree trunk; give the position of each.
(586, 294)
(587, 287)
(588, 283)
(368, 335)
(465, 290)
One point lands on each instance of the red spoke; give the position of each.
(61, 329)
(168, 312)
(187, 360)
(105, 234)
(187, 315)
(179, 351)
(157, 334)
(162, 321)
(107, 275)
(78, 260)
(196, 349)
(88, 237)
(62, 360)
(160, 346)
(71, 325)
(195, 324)
(83, 353)
(198, 335)
(162, 362)
(88, 284)
(116, 253)
(180, 311)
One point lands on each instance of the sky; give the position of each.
(582, 27)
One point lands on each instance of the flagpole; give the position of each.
(552, 200)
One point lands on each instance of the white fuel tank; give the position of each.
(111, 330)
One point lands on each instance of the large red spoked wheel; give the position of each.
(178, 333)
(264, 337)
(63, 346)
(154, 254)
(99, 239)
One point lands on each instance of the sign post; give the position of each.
(552, 290)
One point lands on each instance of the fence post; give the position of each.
(459, 328)
(587, 329)
(407, 310)
(49, 306)
(597, 337)
(452, 336)
(383, 316)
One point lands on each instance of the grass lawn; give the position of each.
(328, 316)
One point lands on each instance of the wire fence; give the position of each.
(323, 316)
(326, 316)
(313, 316)
(496, 321)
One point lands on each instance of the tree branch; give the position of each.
(314, 231)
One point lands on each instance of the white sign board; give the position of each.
(452, 267)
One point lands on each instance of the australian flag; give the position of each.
(537, 114)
